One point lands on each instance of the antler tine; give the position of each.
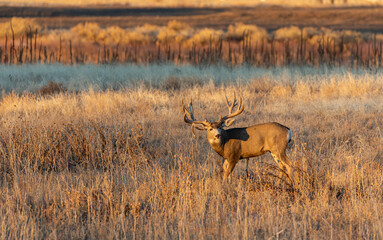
(191, 110)
(231, 106)
(189, 116)
(239, 109)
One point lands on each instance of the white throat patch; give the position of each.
(215, 136)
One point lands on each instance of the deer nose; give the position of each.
(218, 136)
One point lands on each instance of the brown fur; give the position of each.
(254, 141)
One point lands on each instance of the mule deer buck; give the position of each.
(243, 143)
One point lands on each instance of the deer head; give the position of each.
(214, 129)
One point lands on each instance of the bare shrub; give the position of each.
(292, 32)
(88, 30)
(150, 31)
(178, 26)
(177, 83)
(20, 27)
(175, 32)
(52, 88)
(172, 83)
(167, 36)
(237, 32)
(261, 85)
(205, 36)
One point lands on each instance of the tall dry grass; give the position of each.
(123, 164)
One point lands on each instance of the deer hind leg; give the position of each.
(247, 166)
(288, 165)
(283, 164)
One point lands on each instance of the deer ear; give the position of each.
(199, 126)
(228, 122)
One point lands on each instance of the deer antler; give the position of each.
(230, 107)
(189, 117)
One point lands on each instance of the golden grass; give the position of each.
(122, 164)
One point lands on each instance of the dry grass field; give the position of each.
(101, 162)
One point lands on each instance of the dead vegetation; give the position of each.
(179, 43)
(122, 164)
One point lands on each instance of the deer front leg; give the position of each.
(228, 167)
(225, 166)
